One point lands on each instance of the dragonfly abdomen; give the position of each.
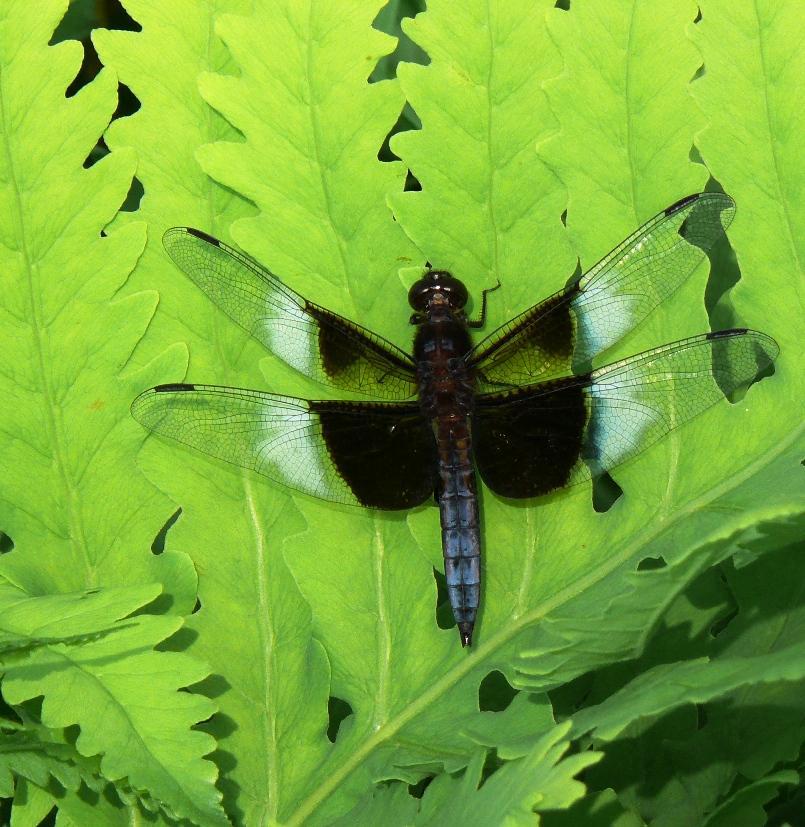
(461, 534)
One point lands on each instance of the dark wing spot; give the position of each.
(203, 236)
(528, 445)
(387, 462)
(557, 338)
(546, 329)
(683, 202)
(337, 350)
(723, 334)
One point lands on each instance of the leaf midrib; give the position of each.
(267, 637)
(383, 630)
(773, 144)
(315, 127)
(75, 523)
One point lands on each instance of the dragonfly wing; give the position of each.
(547, 436)
(318, 343)
(377, 455)
(571, 327)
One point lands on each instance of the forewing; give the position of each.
(378, 455)
(589, 316)
(548, 436)
(318, 343)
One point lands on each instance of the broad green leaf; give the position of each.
(125, 699)
(31, 805)
(752, 57)
(626, 122)
(309, 117)
(601, 809)
(751, 96)
(27, 620)
(67, 442)
(172, 122)
(73, 502)
(694, 681)
(542, 779)
(745, 807)
(684, 764)
(489, 210)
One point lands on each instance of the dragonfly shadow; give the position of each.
(444, 614)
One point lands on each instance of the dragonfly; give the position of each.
(523, 408)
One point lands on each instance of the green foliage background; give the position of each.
(270, 659)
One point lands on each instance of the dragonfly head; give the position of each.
(437, 289)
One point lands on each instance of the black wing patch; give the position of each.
(378, 455)
(536, 439)
(318, 343)
(574, 325)
(529, 442)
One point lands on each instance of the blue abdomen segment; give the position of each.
(461, 537)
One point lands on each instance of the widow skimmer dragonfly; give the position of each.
(524, 405)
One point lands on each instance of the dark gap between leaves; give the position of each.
(491, 764)
(389, 20)
(412, 183)
(131, 203)
(724, 272)
(652, 564)
(722, 623)
(701, 716)
(78, 23)
(158, 546)
(606, 492)
(418, 790)
(402, 124)
(337, 711)
(495, 693)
